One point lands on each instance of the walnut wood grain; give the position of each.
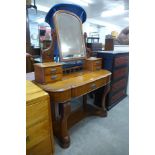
(93, 64)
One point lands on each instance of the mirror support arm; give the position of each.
(48, 54)
(89, 52)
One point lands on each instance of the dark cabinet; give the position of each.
(118, 64)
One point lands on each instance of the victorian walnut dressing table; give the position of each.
(65, 83)
(63, 88)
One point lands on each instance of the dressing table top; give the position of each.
(75, 80)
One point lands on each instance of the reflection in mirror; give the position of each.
(70, 38)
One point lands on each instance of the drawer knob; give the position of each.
(98, 67)
(97, 62)
(93, 86)
(53, 77)
(53, 70)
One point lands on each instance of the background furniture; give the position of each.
(39, 135)
(94, 44)
(118, 63)
(109, 44)
(29, 63)
(93, 39)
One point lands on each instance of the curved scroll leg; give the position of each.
(106, 91)
(100, 98)
(65, 110)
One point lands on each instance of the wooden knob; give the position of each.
(53, 70)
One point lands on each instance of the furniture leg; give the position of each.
(85, 102)
(104, 95)
(100, 98)
(65, 110)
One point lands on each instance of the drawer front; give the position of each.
(94, 65)
(118, 85)
(43, 148)
(122, 60)
(78, 91)
(120, 73)
(53, 78)
(53, 70)
(98, 62)
(37, 133)
(97, 65)
(61, 97)
(37, 111)
(117, 96)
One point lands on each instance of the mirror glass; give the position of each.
(69, 36)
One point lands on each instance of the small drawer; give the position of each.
(43, 148)
(81, 90)
(84, 89)
(121, 60)
(53, 78)
(97, 67)
(61, 96)
(99, 83)
(37, 111)
(98, 62)
(120, 72)
(53, 70)
(37, 133)
(93, 65)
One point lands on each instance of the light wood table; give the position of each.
(39, 133)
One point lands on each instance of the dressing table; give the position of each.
(74, 75)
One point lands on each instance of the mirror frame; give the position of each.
(58, 40)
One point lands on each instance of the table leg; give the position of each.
(104, 95)
(65, 110)
(85, 102)
(100, 98)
